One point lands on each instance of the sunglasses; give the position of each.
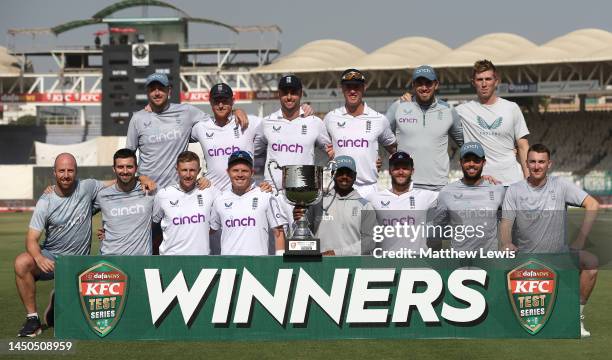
(353, 75)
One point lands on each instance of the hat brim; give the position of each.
(352, 82)
(156, 81)
(236, 161)
(430, 78)
(472, 153)
(402, 161)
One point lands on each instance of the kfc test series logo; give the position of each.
(532, 289)
(103, 292)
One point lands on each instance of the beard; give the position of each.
(472, 177)
(394, 182)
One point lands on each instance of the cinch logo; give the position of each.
(294, 148)
(189, 219)
(223, 151)
(128, 210)
(103, 291)
(531, 289)
(355, 143)
(408, 220)
(240, 222)
(163, 137)
(403, 120)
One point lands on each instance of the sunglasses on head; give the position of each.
(353, 75)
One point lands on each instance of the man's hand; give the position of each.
(265, 187)
(407, 97)
(298, 212)
(44, 264)
(148, 185)
(307, 109)
(203, 183)
(148, 108)
(378, 164)
(329, 149)
(241, 118)
(49, 189)
(101, 234)
(329, 253)
(490, 179)
(509, 246)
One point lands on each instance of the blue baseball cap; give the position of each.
(472, 148)
(424, 71)
(157, 77)
(240, 156)
(347, 162)
(400, 157)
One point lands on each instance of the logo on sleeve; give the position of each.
(103, 292)
(532, 289)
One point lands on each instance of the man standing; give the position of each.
(246, 214)
(538, 206)
(289, 137)
(471, 201)
(126, 210)
(343, 220)
(223, 136)
(403, 205)
(356, 130)
(65, 216)
(497, 124)
(422, 128)
(185, 211)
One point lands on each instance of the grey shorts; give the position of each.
(43, 276)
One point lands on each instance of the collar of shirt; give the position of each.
(366, 110)
(279, 114)
(253, 187)
(410, 190)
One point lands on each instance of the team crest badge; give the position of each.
(532, 290)
(103, 292)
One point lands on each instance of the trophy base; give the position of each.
(302, 247)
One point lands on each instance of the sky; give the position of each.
(365, 23)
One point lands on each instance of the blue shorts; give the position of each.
(43, 276)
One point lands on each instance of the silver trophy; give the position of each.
(303, 185)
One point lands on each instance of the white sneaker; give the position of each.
(584, 333)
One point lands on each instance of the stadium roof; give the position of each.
(502, 48)
(9, 65)
(320, 55)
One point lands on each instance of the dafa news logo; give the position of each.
(532, 287)
(103, 292)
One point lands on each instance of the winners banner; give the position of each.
(272, 298)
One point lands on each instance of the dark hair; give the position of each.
(187, 156)
(124, 154)
(482, 66)
(539, 148)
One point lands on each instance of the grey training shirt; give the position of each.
(67, 220)
(461, 205)
(540, 213)
(424, 135)
(160, 138)
(126, 218)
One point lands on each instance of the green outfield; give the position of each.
(599, 322)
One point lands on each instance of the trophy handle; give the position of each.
(272, 176)
(331, 167)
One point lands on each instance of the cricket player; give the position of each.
(537, 206)
(343, 220)
(184, 211)
(403, 205)
(223, 136)
(497, 124)
(126, 210)
(290, 136)
(246, 214)
(65, 217)
(471, 201)
(356, 130)
(422, 128)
